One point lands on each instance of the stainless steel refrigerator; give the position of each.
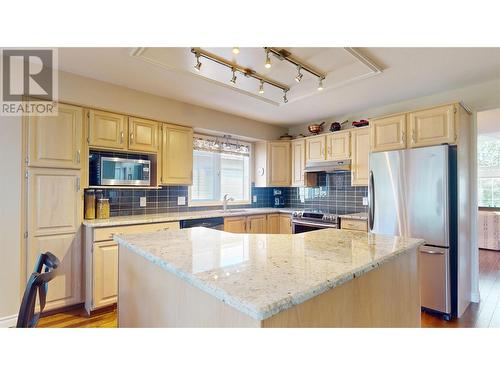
(413, 193)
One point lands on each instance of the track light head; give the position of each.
(268, 60)
(198, 62)
(233, 79)
(261, 87)
(285, 99)
(236, 50)
(299, 76)
(320, 84)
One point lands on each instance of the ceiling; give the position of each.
(376, 77)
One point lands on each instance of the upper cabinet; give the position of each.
(360, 156)
(177, 155)
(432, 126)
(56, 141)
(143, 135)
(338, 146)
(298, 161)
(315, 148)
(388, 133)
(107, 130)
(272, 164)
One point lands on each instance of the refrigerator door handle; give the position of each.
(371, 201)
(432, 251)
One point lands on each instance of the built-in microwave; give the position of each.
(116, 171)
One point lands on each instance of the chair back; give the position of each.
(37, 284)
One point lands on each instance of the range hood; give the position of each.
(328, 166)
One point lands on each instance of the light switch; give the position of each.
(181, 201)
(142, 201)
(365, 201)
(254, 199)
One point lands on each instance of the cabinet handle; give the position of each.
(121, 136)
(78, 157)
(413, 135)
(322, 151)
(131, 137)
(78, 184)
(329, 150)
(403, 137)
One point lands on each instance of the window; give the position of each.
(219, 168)
(488, 153)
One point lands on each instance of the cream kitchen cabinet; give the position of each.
(388, 133)
(143, 135)
(235, 224)
(298, 162)
(338, 146)
(315, 148)
(101, 261)
(273, 223)
(272, 164)
(56, 141)
(176, 155)
(54, 215)
(360, 156)
(107, 130)
(432, 126)
(257, 224)
(285, 224)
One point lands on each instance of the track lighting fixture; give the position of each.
(198, 62)
(320, 84)
(299, 74)
(233, 80)
(268, 60)
(261, 87)
(285, 99)
(236, 50)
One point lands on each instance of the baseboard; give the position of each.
(8, 321)
(475, 297)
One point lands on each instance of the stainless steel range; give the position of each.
(306, 221)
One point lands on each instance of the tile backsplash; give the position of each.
(333, 195)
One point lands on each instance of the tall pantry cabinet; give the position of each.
(54, 198)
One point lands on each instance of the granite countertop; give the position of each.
(356, 216)
(176, 216)
(263, 274)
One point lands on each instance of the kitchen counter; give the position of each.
(355, 216)
(259, 275)
(177, 216)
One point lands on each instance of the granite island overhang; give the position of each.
(202, 277)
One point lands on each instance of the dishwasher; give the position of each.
(212, 223)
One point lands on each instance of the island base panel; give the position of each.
(149, 296)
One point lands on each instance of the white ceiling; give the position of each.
(350, 87)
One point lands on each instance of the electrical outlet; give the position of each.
(254, 199)
(142, 201)
(365, 201)
(181, 201)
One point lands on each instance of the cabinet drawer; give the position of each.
(106, 234)
(350, 224)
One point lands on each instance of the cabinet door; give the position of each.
(388, 133)
(360, 156)
(338, 146)
(432, 126)
(315, 148)
(285, 224)
(298, 162)
(177, 155)
(256, 224)
(107, 130)
(350, 224)
(143, 135)
(56, 141)
(279, 163)
(235, 224)
(273, 223)
(105, 274)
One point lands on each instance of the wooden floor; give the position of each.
(484, 314)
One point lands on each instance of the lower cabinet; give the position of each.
(273, 223)
(257, 224)
(351, 224)
(285, 224)
(237, 224)
(105, 273)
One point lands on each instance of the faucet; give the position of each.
(225, 200)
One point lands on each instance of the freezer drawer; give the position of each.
(435, 290)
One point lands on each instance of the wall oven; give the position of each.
(115, 171)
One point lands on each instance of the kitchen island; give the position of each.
(202, 277)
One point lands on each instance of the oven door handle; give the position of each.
(318, 225)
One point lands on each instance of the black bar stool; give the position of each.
(38, 282)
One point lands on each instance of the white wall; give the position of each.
(10, 217)
(89, 92)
